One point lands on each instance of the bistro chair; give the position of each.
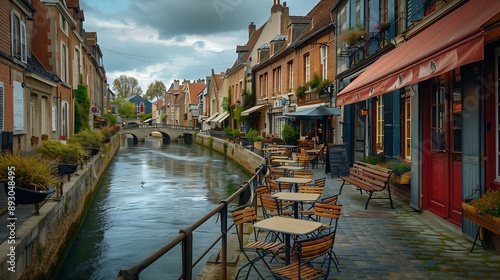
(315, 160)
(313, 257)
(331, 213)
(247, 214)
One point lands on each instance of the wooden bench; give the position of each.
(370, 178)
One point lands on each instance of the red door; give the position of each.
(443, 127)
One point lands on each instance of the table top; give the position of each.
(313, 151)
(280, 160)
(290, 167)
(288, 146)
(288, 225)
(296, 197)
(293, 180)
(279, 157)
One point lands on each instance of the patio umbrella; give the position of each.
(314, 113)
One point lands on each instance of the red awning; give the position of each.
(455, 40)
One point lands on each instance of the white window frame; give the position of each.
(43, 115)
(63, 24)
(290, 75)
(64, 62)
(307, 64)
(324, 60)
(18, 107)
(380, 121)
(65, 118)
(18, 37)
(279, 79)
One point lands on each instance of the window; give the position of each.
(64, 63)
(275, 81)
(497, 147)
(407, 124)
(307, 70)
(290, 76)
(18, 107)
(32, 116)
(44, 116)
(2, 102)
(324, 61)
(63, 24)
(18, 33)
(266, 85)
(76, 69)
(279, 79)
(261, 86)
(139, 108)
(380, 122)
(65, 119)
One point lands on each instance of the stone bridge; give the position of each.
(169, 132)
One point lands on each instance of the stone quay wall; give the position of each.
(247, 160)
(43, 240)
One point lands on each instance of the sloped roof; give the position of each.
(320, 18)
(194, 90)
(248, 46)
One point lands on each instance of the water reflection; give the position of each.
(128, 220)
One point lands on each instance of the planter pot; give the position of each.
(258, 145)
(484, 220)
(402, 179)
(29, 196)
(66, 169)
(93, 151)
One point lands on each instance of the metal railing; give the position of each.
(185, 238)
(159, 125)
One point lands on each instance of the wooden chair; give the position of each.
(320, 182)
(315, 160)
(331, 213)
(303, 174)
(313, 259)
(248, 214)
(332, 200)
(272, 207)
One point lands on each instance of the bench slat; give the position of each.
(371, 178)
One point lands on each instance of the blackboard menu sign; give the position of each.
(337, 162)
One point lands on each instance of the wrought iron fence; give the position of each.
(244, 194)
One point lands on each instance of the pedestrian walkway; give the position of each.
(399, 243)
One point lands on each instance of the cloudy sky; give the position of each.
(174, 39)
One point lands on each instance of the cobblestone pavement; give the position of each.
(399, 243)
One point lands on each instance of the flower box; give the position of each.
(403, 179)
(484, 220)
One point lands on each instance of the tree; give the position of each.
(126, 86)
(127, 110)
(155, 91)
(82, 108)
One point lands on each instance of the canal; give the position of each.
(146, 196)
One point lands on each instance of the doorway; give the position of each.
(442, 176)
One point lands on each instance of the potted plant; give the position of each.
(289, 134)
(401, 171)
(29, 179)
(90, 140)
(485, 212)
(353, 35)
(67, 156)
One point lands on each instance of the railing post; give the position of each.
(187, 254)
(223, 225)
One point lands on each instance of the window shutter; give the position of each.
(13, 32)
(23, 42)
(2, 116)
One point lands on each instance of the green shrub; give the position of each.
(53, 150)
(252, 134)
(88, 138)
(373, 159)
(228, 130)
(289, 134)
(398, 166)
(235, 132)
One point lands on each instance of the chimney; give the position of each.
(251, 29)
(176, 84)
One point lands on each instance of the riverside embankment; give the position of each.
(41, 239)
